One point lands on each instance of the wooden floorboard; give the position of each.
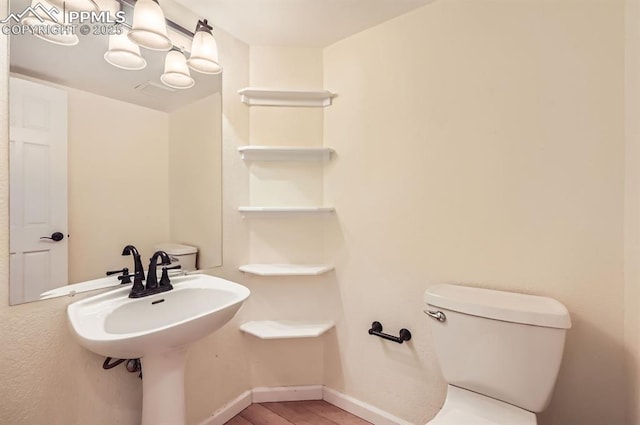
(260, 415)
(333, 413)
(312, 412)
(239, 420)
(297, 413)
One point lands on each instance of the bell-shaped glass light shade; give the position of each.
(123, 53)
(176, 72)
(76, 5)
(149, 27)
(55, 32)
(204, 54)
(110, 6)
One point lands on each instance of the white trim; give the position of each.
(308, 392)
(272, 394)
(229, 410)
(361, 409)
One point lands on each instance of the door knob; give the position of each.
(55, 236)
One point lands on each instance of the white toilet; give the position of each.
(182, 254)
(500, 353)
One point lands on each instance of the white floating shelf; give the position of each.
(285, 210)
(286, 269)
(282, 153)
(264, 97)
(285, 329)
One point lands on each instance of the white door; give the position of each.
(38, 189)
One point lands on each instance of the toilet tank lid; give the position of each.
(499, 305)
(172, 248)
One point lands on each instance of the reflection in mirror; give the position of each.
(102, 157)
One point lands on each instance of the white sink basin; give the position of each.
(157, 329)
(114, 325)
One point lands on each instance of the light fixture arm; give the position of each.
(203, 25)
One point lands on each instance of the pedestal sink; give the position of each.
(157, 329)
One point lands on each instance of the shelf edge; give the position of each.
(265, 97)
(285, 153)
(296, 270)
(260, 329)
(285, 210)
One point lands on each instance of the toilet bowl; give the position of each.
(499, 352)
(463, 407)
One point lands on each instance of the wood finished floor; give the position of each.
(312, 412)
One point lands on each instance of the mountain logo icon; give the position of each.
(39, 11)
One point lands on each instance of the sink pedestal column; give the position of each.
(163, 401)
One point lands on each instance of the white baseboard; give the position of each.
(228, 411)
(310, 392)
(361, 409)
(271, 394)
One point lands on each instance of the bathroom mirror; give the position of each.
(141, 165)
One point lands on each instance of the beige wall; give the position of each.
(479, 142)
(118, 193)
(195, 178)
(632, 208)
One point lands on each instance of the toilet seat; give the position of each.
(464, 407)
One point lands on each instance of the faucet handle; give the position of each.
(164, 279)
(172, 267)
(125, 278)
(123, 271)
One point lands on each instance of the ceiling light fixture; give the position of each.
(149, 30)
(149, 27)
(123, 53)
(76, 5)
(176, 72)
(204, 50)
(55, 33)
(112, 7)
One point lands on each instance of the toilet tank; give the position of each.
(500, 344)
(182, 254)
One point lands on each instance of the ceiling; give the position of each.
(83, 67)
(297, 23)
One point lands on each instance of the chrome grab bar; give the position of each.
(438, 315)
